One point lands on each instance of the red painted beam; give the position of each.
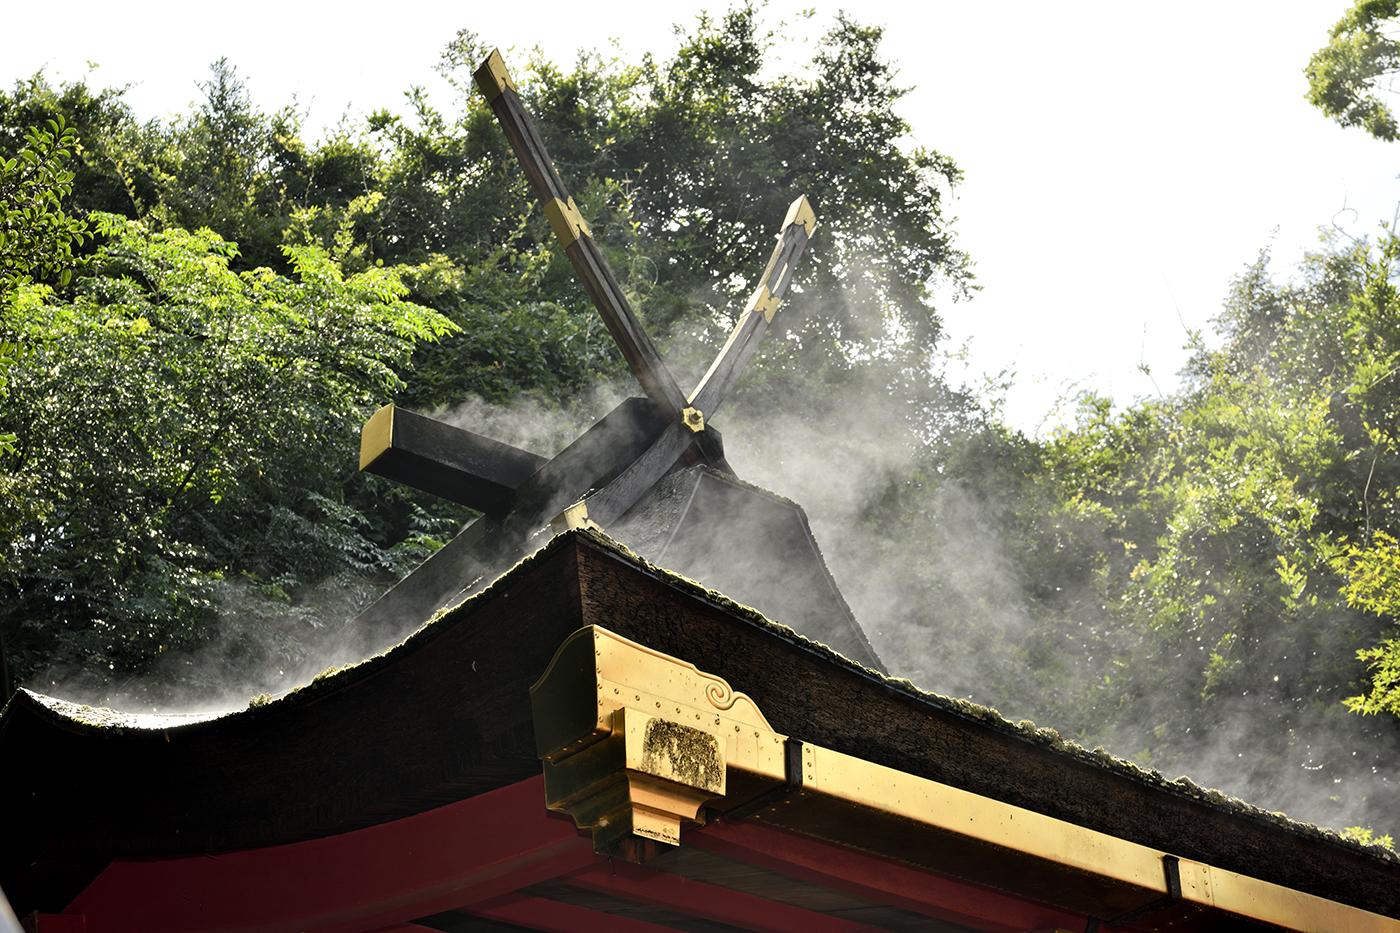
(554, 917)
(698, 899)
(366, 880)
(878, 879)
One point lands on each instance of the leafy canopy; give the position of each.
(185, 411)
(1359, 60)
(181, 427)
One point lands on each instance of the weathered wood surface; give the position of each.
(458, 465)
(610, 503)
(751, 545)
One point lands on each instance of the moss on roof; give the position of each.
(113, 722)
(1025, 730)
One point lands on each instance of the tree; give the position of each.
(37, 236)
(1358, 60)
(1223, 526)
(683, 168)
(185, 443)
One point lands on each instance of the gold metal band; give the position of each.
(566, 220)
(762, 300)
(377, 435)
(574, 517)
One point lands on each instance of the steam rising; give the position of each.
(944, 601)
(920, 561)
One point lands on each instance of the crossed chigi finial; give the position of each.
(596, 479)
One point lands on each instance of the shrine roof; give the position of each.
(444, 715)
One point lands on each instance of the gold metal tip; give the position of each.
(566, 220)
(493, 77)
(693, 418)
(377, 435)
(800, 212)
(574, 517)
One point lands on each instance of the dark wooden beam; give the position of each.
(537, 913)
(879, 879)
(369, 879)
(592, 268)
(711, 902)
(611, 502)
(642, 356)
(459, 465)
(494, 542)
(743, 341)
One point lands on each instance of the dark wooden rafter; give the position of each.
(536, 913)
(743, 341)
(711, 902)
(371, 879)
(601, 453)
(611, 502)
(878, 879)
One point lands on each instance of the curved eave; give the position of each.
(445, 717)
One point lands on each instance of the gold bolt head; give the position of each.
(693, 419)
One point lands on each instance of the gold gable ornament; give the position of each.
(636, 742)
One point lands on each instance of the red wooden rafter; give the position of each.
(472, 856)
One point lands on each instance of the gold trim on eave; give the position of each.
(566, 220)
(493, 77)
(590, 746)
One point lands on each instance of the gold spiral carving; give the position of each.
(720, 694)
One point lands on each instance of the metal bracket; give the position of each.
(693, 419)
(635, 742)
(574, 517)
(566, 220)
(763, 300)
(1171, 867)
(792, 760)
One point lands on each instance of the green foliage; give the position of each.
(1192, 576)
(110, 145)
(1231, 503)
(36, 235)
(185, 415)
(1358, 60)
(1372, 575)
(1366, 837)
(709, 149)
(186, 433)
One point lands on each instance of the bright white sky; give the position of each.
(1121, 160)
